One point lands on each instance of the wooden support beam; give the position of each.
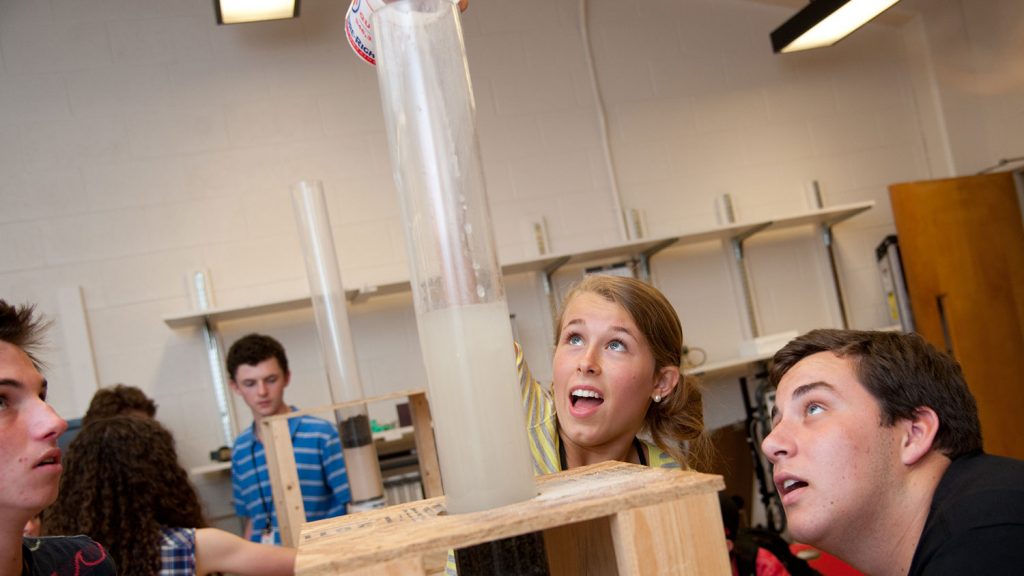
(647, 540)
(426, 447)
(284, 479)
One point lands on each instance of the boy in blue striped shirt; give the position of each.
(259, 373)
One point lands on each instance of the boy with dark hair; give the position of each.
(258, 370)
(30, 461)
(876, 446)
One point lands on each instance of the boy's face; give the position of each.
(835, 465)
(30, 463)
(262, 387)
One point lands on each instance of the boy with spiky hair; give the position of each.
(30, 461)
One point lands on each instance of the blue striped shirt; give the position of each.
(321, 469)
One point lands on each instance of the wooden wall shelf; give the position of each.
(634, 250)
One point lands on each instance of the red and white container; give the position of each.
(359, 26)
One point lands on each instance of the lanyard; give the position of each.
(636, 444)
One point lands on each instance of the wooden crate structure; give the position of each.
(284, 477)
(611, 518)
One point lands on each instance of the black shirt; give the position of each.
(976, 521)
(65, 556)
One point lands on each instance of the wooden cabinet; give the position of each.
(962, 244)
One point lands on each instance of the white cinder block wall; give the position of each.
(139, 141)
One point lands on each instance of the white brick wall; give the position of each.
(139, 141)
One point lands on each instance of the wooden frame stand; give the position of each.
(612, 518)
(284, 477)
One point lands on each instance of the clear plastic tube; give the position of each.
(331, 311)
(462, 314)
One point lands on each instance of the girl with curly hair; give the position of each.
(123, 486)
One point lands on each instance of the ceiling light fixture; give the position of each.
(238, 11)
(825, 22)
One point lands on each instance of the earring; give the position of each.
(657, 398)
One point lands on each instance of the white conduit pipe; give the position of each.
(602, 120)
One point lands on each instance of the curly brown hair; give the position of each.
(118, 400)
(255, 348)
(121, 485)
(676, 424)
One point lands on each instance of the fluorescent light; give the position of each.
(825, 22)
(238, 11)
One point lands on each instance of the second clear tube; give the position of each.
(331, 311)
